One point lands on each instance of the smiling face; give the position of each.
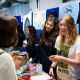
(63, 27)
(49, 26)
(68, 30)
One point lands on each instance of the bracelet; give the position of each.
(52, 67)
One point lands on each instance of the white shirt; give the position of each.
(74, 72)
(7, 67)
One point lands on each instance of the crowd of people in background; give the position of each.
(57, 48)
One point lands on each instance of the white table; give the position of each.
(40, 76)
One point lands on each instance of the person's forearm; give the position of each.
(72, 62)
(54, 64)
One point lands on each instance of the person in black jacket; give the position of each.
(21, 36)
(47, 42)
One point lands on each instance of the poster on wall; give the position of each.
(70, 8)
(39, 18)
(55, 11)
(19, 21)
(27, 20)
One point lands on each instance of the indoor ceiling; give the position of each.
(8, 3)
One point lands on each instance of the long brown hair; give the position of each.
(49, 38)
(8, 34)
(32, 35)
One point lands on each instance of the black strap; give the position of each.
(1, 53)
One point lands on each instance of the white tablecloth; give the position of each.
(41, 76)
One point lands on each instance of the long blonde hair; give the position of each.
(72, 33)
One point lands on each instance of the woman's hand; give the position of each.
(51, 72)
(55, 58)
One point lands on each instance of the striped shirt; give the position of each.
(7, 67)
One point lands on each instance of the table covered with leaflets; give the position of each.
(37, 76)
(35, 73)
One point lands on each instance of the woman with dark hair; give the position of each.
(32, 41)
(21, 36)
(8, 38)
(47, 42)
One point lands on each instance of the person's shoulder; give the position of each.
(78, 39)
(58, 37)
(5, 59)
(5, 56)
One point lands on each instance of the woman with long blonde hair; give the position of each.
(68, 54)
